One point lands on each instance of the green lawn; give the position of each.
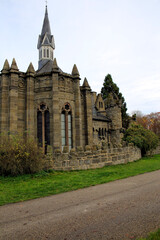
(152, 236)
(15, 189)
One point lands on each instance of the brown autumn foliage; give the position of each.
(19, 156)
(150, 122)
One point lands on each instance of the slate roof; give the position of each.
(47, 67)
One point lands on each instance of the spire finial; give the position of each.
(46, 3)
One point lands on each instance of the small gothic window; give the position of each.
(40, 54)
(100, 105)
(102, 132)
(99, 132)
(44, 52)
(105, 132)
(47, 53)
(52, 54)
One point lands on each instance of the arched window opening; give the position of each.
(44, 53)
(102, 132)
(47, 53)
(99, 132)
(43, 126)
(51, 54)
(66, 126)
(100, 104)
(40, 54)
(105, 132)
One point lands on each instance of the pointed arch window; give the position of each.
(66, 126)
(51, 54)
(47, 53)
(44, 53)
(43, 126)
(40, 54)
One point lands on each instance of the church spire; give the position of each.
(46, 25)
(46, 43)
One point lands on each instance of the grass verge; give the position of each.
(21, 188)
(152, 236)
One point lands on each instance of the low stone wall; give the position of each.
(155, 151)
(77, 160)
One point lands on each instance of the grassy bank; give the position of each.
(152, 236)
(15, 189)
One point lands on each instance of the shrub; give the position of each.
(19, 156)
(145, 139)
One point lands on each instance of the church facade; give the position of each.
(52, 106)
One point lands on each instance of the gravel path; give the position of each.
(119, 210)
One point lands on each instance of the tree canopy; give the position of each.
(150, 121)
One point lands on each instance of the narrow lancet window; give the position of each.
(44, 53)
(63, 135)
(66, 126)
(47, 53)
(43, 126)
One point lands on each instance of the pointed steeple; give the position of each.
(75, 71)
(85, 83)
(30, 69)
(14, 65)
(6, 66)
(46, 43)
(46, 25)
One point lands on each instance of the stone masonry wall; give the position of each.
(155, 151)
(97, 158)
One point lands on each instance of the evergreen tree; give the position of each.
(110, 87)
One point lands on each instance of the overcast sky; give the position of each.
(120, 37)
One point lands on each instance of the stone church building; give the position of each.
(52, 106)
